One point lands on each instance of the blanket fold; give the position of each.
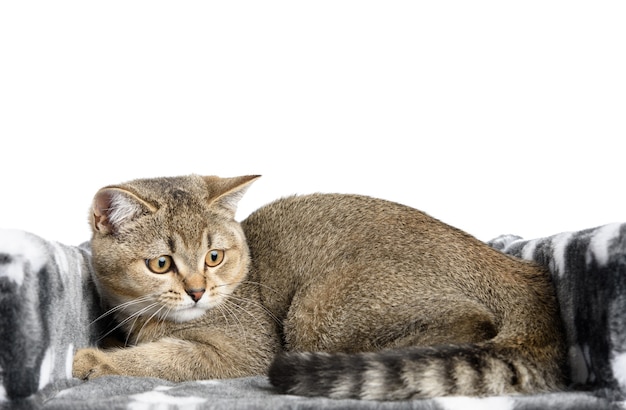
(47, 306)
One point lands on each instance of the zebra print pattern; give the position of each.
(589, 272)
(48, 304)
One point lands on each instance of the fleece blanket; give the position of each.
(49, 307)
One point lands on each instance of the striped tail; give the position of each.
(469, 370)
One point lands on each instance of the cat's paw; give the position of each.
(92, 363)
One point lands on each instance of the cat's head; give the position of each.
(169, 247)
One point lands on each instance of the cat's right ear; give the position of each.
(226, 192)
(113, 207)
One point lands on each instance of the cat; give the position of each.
(335, 295)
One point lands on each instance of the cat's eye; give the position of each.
(214, 257)
(162, 264)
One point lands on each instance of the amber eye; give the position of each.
(162, 264)
(214, 257)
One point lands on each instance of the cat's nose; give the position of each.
(195, 294)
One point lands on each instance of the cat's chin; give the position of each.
(185, 315)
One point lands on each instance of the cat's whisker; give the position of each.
(122, 306)
(164, 317)
(130, 330)
(138, 315)
(244, 310)
(127, 339)
(134, 316)
(138, 337)
(254, 302)
(219, 309)
(226, 307)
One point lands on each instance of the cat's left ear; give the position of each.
(226, 192)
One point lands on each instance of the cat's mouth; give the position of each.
(191, 310)
(187, 313)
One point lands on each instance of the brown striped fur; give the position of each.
(360, 297)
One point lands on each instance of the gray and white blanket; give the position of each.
(49, 307)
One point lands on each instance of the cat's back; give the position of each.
(338, 215)
(305, 240)
(339, 223)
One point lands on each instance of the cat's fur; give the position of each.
(337, 295)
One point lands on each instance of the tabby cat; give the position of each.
(342, 296)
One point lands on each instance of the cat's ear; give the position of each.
(226, 192)
(114, 206)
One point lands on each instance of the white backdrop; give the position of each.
(496, 117)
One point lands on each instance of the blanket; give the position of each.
(49, 307)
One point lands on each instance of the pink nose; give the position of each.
(195, 294)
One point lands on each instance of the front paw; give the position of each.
(92, 363)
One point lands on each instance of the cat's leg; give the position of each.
(470, 323)
(334, 315)
(343, 327)
(177, 359)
